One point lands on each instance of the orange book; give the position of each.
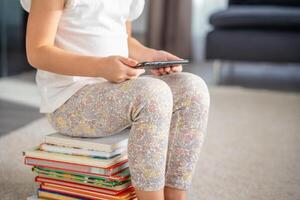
(46, 195)
(77, 192)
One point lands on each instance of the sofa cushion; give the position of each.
(257, 16)
(253, 45)
(266, 2)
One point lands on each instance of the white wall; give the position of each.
(202, 9)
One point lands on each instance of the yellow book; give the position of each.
(49, 195)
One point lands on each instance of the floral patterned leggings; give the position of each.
(168, 118)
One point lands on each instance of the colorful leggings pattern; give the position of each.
(167, 116)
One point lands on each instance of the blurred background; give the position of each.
(248, 52)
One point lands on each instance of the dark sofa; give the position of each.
(256, 30)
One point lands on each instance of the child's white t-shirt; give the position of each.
(88, 27)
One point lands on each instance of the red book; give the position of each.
(43, 180)
(79, 192)
(109, 172)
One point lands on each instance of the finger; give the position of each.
(168, 69)
(155, 72)
(173, 68)
(180, 68)
(161, 70)
(128, 61)
(177, 68)
(134, 72)
(131, 77)
(136, 76)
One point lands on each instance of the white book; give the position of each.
(82, 152)
(103, 144)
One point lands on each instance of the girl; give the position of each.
(85, 57)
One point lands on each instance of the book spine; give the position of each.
(82, 160)
(65, 150)
(77, 144)
(74, 151)
(46, 181)
(86, 170)
(65, 166)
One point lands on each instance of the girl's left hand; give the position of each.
(164, 56)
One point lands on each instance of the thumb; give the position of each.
(171, 56)
(134, 72)
(128, 61)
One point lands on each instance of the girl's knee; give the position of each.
(155, 91)
(192, 81)
(153, 99)
(193, 85)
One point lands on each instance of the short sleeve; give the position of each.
(136, 9)
(26, 4)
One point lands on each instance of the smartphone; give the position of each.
(159, 64)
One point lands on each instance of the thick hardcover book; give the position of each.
(106, 144)
(112, 172)
(77, 192)
(82, 178)
(109, 186)
(44, 194)
(81, 186)
(75, 159)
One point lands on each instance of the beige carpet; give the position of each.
(252, 149)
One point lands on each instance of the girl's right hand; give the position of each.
(118, 69)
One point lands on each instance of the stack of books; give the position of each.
(72, 168)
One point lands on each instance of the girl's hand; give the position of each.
(118, 69)
(164, 56)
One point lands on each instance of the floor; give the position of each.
(14, 115)
(19, 100)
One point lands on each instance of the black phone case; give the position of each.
(159, 64)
